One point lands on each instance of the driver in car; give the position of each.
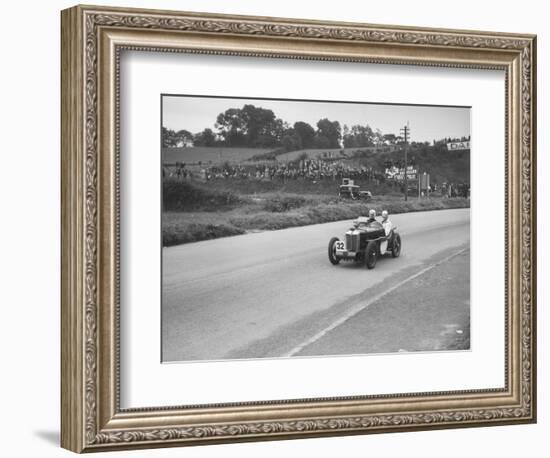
(363, 221)
(372, 216)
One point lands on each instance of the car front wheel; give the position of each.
(396, 248)
(332, 251)
(371, 255)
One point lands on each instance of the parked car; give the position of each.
(365, 242)
(348, 189)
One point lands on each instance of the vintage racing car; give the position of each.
(365, 242)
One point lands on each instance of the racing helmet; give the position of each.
(385, 214)
(372, 213)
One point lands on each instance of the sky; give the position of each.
(195, 113)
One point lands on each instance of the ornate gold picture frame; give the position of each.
(92, 40)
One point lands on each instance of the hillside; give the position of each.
(207, 154)
(316, 153)
(443, 165)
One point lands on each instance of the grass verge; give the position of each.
(279, 211)
(177, 229)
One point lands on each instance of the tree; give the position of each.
(321, 141)
(168, 138)
(391, 138)
(329, 130)
(172, 139)
(231, 127)
(205, 138)
(250, 126)
(359, 136)
(184, 135)
(305, 133)
(261, 128)
(270, 135)
(378, 138)
(291, 141)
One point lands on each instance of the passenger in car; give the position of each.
(386, 223)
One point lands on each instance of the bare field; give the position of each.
(316, 153)
(207, 154)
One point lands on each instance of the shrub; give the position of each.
(181, 195)
(280, 203)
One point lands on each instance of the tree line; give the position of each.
(252, 126)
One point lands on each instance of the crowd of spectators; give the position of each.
(312, 169)
(455, 190)
(308, 169)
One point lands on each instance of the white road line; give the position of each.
(364, 305)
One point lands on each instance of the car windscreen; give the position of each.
(374, 225)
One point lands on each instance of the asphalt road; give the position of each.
(275, 294)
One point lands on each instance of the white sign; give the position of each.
(458, 145)
(399, 173)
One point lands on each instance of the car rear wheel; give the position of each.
(371, 255)
(396, 248)
(332, 251)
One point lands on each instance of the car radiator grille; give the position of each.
(352, 242)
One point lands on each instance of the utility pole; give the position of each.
(406, 132)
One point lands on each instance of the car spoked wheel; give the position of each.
(371, 255)
(396, 248)
(332, 251)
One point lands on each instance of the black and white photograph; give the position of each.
(309, 228)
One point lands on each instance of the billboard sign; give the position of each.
(453, 146)
(398, 173)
